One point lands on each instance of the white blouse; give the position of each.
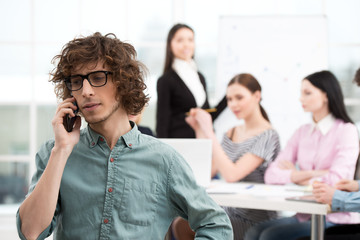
(187, 71)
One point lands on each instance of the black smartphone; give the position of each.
(69, 121)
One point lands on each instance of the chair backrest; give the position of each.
(197, 153)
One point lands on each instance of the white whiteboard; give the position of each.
(279, 51)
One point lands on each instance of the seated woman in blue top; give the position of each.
(344, 197)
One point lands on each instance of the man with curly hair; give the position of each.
(109, 181)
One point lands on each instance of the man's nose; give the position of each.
(87, 89)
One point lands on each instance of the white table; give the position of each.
(270, 197)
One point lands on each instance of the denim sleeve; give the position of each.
(191, 202)
(41, 159)
(346, 201)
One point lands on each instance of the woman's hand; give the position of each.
(347, 185)
(191, 120)
(201, 122)
(286, 165)
(204, 120)
(300, 177)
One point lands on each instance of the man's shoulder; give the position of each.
(48, 145)
(154, 143)
(158, 147)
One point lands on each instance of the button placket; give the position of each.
(109, 198)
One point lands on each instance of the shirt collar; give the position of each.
(324, 125)
(129, 138)
(180, 65)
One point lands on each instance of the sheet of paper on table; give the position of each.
(258, 190)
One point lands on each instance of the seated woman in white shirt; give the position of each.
(344, 197)
(327, 149)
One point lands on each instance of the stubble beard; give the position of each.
(107, 116)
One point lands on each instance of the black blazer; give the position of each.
(174, 100)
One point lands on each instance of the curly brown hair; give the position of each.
(120, 57)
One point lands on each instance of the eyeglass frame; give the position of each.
(67, 79)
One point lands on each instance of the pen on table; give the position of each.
(209, 110)
(250, 186)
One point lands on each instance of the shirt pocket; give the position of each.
(139, 202)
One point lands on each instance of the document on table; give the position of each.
(220, 187)
(258, 190)
(298, 188)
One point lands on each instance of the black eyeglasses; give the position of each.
(96, 79)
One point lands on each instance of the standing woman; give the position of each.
(246, 150)
(181, 87)
(325, 150)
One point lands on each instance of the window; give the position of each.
(32, 35)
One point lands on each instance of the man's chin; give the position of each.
(93, 120)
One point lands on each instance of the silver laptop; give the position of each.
(197, 153)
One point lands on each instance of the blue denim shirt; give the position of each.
(346, 201)
(131, 192)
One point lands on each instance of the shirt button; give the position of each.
(130, 144)
(92, 144)
(111, 160)
(106, 220)
(110, 189)
(101, 139)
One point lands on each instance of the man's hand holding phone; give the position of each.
(69, 121)
(65, 112)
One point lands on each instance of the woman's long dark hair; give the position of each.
(357, 77)
(328, 83)
(249, 81)
(169, 58)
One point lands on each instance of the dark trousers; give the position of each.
(341, 232)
